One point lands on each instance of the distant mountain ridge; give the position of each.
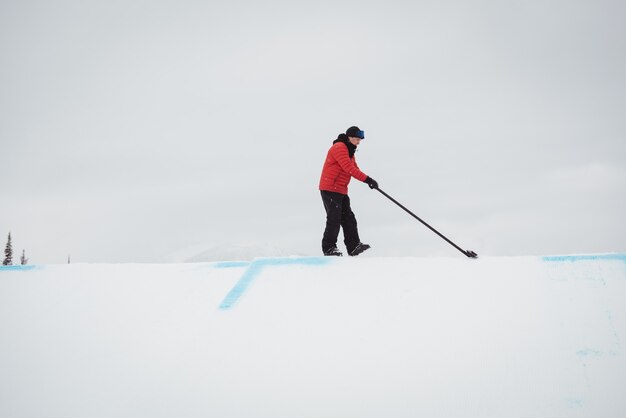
(237, 252)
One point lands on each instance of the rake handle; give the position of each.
(470, 254)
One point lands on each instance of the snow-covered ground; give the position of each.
(316, 337)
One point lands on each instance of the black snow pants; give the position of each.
(339, 214)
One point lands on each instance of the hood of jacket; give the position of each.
(351, 147)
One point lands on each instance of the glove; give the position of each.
(371, 182)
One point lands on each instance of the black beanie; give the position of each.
(354, 131)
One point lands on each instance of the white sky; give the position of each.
(135, 130)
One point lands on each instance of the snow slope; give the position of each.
(316, 337)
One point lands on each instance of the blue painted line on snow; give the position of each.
(592, 257)
(241, 286)
(256, 267)
(588, 352)
(231, 264)
(18, 268)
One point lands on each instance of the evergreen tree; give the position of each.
(24, 260)
(8, 253)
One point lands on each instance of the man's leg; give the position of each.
(333, 203)
(348, 223)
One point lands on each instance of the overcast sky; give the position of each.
(152, 130)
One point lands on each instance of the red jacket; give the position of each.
(338, 169)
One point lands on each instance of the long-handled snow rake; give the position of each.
(468, 253)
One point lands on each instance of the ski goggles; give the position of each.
(361, 134)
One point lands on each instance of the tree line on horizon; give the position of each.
(8, 254)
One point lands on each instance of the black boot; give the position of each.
(333, 251)
(359, 249)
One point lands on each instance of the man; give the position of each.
(339, 168)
